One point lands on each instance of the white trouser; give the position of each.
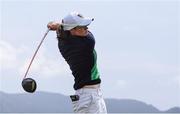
(90, 101)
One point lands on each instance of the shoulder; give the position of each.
(90, 35)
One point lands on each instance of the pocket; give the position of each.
(84, 102)
(75, 105)
(74, 99)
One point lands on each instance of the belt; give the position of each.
(92, 86)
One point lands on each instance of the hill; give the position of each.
(44, 102)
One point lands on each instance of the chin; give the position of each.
(86, 33)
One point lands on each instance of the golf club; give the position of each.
(29, 84)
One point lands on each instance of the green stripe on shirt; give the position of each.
(94, 72)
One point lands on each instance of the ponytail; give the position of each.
(62, 34)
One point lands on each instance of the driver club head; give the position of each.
(29, 85)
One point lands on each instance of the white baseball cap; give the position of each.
(75, 19)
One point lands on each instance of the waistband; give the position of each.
(96, 86)
(89, 89)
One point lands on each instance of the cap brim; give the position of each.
(86, 22)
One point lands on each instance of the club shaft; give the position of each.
(36, 53)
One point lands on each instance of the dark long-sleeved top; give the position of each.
(82, 58)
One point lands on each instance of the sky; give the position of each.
(137, 44)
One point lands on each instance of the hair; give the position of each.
(62, 34)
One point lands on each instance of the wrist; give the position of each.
(53, 26)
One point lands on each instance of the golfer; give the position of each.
(76, 44)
